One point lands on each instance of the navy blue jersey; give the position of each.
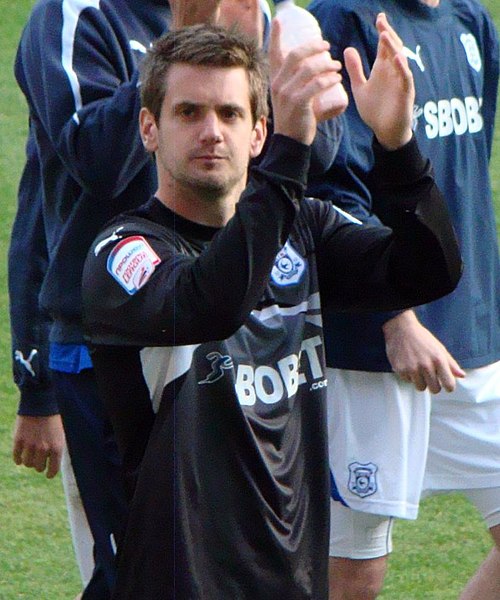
(453, 54)
(221, 328)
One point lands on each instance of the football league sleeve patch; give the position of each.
(132, 262)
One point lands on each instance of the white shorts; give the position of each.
(464, 443)
(383, 456)
(360, 535)
(378, 430)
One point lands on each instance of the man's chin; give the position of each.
(210, 189)
(209, 185)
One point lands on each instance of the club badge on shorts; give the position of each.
(132, 262)
(362, 479)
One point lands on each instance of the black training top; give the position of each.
(222, 330)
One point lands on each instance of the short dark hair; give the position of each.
(204, 45)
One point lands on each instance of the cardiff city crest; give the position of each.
(472, 51)
(288, 266)
(362, 479)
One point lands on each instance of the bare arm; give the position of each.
(192, 12)
(245, 14)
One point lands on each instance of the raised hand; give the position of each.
(296, 80)
(385, 100)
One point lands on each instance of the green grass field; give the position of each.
(433, 557)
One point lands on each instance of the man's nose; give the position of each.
(211, 132)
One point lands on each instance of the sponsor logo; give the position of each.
(415, 56)
(288, 266)
(132, 262)
(471, 48)
(219, 364)
(362, 479)
(273, 384)
(450, 117)
(26, 362)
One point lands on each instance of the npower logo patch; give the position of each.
(132, 262)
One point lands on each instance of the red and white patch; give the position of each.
(132, 262)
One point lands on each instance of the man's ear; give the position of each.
(148, 129)
(259, 134)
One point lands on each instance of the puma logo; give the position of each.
(26, 362)
(135, 45)
(112, 238)
(415, 56)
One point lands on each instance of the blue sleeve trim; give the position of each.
(69, 358)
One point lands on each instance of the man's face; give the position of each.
(205, 135)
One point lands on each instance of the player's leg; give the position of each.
(81, 535)
(359, 547)
(485, 583)
(378, 431)
(96, 464)
(464, 455)
(351, 579)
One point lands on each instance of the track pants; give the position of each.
(96, 464)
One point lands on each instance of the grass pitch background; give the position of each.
(433, 556)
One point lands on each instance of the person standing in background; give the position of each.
(77, 65)
(389, 443)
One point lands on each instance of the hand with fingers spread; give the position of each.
(38, 443)
(384, 100)
(296, 81)
(417, 356)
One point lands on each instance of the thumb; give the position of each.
(354, 67)
(457, 370)
(275, 51)
(53, 466)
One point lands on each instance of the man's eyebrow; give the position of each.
(231, 106)
(186, 104)
(225, 106)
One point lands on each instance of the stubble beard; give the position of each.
(205, 188)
